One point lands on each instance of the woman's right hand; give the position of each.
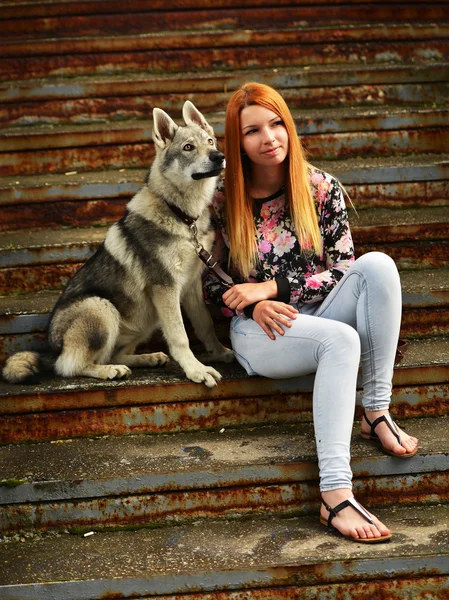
(272, 316)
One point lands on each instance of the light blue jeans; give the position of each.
(359, 319)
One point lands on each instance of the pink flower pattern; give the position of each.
(311, 277)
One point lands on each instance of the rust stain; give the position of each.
(205, 59)
(76, 213)
(43, 277)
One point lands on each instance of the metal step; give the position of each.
(165, 480)
(133, 96)
(44, 258)
(270, 556)
(144, 18)
(327, 135)
(224, 37)
(164, 401)
(156, 62)
(24, 318)
(386, 182)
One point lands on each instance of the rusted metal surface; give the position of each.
(131, 413)
(424, 587)
(248, 554)
(399, 179)
(166, 61)
(140, 106)
(426, 78)
(134, 465)
(425, 323)
(88, 159)
(409, 255)
(47, 277)
(38, 270)
(211, 18)
(71, 186)
(45, 209)
(138, 155)
(404, 194)
(227, 38)
(47, 8)
(170, 508)
(62, 213)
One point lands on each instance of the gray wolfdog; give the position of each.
(144, 270)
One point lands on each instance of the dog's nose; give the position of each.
(216, 156)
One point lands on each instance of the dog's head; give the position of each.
(188, 152)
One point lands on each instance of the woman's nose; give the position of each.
(268, 135)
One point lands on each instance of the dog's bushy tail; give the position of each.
(25, 366)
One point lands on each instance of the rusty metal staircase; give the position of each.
(192, 493)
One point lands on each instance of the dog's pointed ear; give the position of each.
(192, 116)
(164, 128)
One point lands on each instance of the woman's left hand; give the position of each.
(243, 294)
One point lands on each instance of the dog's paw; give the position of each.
(117, 371)
(157, 358)
(203, 374)
(226, 356)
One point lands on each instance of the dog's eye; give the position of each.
(211, 141)
(188, 147)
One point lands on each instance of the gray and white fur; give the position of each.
(143, 272)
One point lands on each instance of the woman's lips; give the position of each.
(271, 151)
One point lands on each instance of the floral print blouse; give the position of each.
(302, 277)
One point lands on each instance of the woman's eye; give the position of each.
(211, 141)
(279, 123)
(188, 147)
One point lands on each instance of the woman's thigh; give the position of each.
(296, 353)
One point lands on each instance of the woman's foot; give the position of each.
(349, 522)
(404, 447)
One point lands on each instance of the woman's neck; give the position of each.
(265, 182)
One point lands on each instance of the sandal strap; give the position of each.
(352, 502)
(383, 419)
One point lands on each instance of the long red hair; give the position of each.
(239, 205)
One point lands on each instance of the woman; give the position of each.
(301, 302)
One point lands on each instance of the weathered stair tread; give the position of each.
(136, 464)
(218, 81)
(219, 555)
(18, 313)
(426, 353)
(73, 244)
(20, 189)
(309, 121)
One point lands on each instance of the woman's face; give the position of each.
(264, 136)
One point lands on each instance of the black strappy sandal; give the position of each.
(352, 502)
(372, 435)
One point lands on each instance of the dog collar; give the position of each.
(188, 220)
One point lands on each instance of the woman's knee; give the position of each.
(343, 341)
(377, 263)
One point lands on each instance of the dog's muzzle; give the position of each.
(218, 161)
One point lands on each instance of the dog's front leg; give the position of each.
(203, 324)
(167, 303)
